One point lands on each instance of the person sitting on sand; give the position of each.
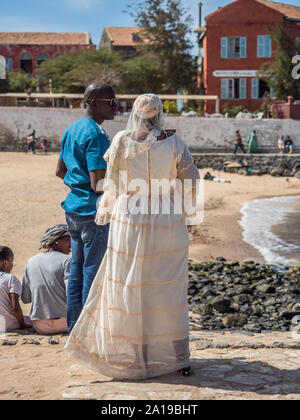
(11, 315)
(281, 145)
(45, 282)
(288, 144)
(44, 146)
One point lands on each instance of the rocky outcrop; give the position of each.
(273, 164)
(250, 297)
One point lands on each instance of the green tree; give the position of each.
(278, 74)
(233, 110)
(19, 81)
(74, 71)
(166, 28)
(142, 75)
(170, 107)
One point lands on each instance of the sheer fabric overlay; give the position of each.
(135, 323)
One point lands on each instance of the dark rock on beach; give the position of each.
(31, 341)
(254, 165)
(9, 342)
(222, 305)
(248, 297)
(53, 340)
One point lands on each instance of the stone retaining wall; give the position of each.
(273, 164)
(198, 133)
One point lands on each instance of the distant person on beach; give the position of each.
(281, 145)
(82, 167)
(31, 141)
(45, 282)
(11, 315)
(45, 146)
(252, 142)
(238, 142)
(288, 144)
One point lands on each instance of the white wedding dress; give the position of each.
(135, 322)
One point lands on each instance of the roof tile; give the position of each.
(45, 38)
(123, 36)
(292, 12)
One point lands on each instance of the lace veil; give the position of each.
(143, 127)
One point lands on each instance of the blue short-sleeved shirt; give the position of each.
(83, 146)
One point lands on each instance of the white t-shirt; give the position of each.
(8, 284)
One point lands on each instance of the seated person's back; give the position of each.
(45, 282)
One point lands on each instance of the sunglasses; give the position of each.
(114, 103)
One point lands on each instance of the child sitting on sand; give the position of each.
(11, 315)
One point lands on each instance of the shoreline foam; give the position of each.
(261, 221)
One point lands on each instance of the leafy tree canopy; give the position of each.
(166, 28)
(72, 72)
(278, 74)
(142, 75)
(19, 81)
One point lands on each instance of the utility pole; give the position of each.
(200, 13)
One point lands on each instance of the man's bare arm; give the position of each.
(61, 170)
(96, 177)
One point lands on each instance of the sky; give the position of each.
(85, 15)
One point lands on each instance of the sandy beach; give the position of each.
(31, 197)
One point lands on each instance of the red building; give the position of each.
(233, 45)
(26, 50)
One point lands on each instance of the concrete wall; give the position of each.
(198, 133)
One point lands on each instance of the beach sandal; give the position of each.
(186, 371)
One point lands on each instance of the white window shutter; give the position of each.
(243, 88)
(272, 92)
(224, 89)
(268, 46)
(9, 64)
(255, 88)
(260, 46)
(243, 47)
(224, 47)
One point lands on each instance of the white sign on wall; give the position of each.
(235, 73)
(2, 67)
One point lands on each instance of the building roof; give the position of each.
(290, 12)
(201, 29)
(45, 38)
(122, 36)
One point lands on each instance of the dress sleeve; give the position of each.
(186, 169)
(111, 182)
(188, 174)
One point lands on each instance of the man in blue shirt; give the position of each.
(82, 167)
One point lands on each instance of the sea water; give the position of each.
(272, 225)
